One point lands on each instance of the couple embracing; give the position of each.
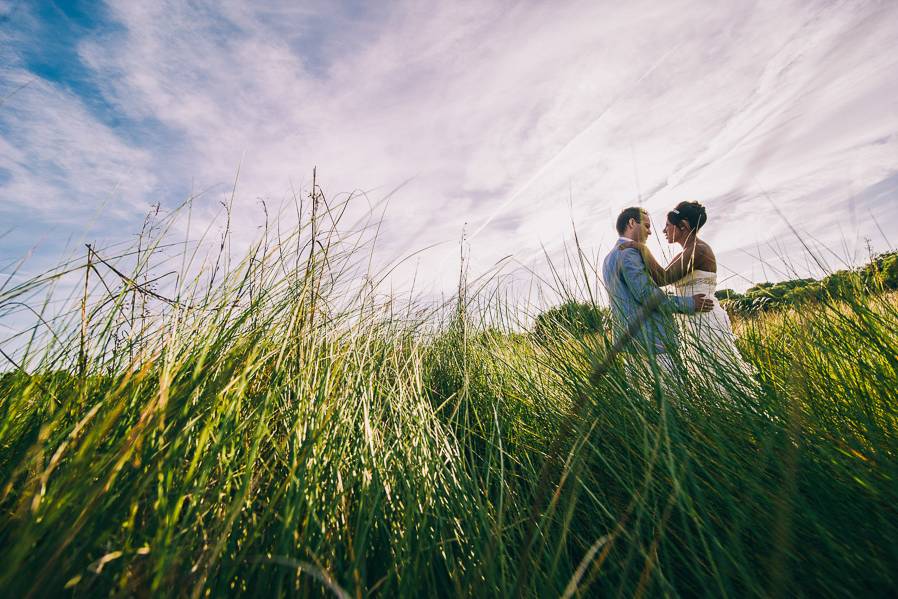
(692, 321)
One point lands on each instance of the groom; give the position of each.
(636, 302)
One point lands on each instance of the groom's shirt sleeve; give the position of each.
(643, 288)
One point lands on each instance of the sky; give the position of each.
(509, 123)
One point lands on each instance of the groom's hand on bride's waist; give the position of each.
(703, 303)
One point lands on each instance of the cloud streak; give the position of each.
(513, 117)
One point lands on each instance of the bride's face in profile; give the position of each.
(674, 233)
(670, 232)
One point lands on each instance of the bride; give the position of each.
(705, 335)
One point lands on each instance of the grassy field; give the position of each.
(273, 434)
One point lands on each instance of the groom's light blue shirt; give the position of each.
(629, 286)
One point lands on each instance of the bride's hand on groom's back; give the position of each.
(630, 245)
(703, 303)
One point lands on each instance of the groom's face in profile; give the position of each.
(640, 231)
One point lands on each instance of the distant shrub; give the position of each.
(578, 318)
(880, 274)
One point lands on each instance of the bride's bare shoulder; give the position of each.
(703, 247)
(704, 257)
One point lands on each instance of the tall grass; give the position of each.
(278, 431)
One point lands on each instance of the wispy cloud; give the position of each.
(513, 117)
(60, 165)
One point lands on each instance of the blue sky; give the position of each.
(509, 119)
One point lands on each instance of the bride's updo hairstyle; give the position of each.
(692, 213)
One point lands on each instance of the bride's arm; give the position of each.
(655, 269)
(678, 268)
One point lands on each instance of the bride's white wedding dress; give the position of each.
(707, 337)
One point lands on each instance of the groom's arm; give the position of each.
(644, 289)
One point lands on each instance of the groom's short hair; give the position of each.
(626, 215)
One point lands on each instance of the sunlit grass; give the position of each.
(280, 433)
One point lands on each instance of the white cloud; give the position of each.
(674, 100)
(61, 165)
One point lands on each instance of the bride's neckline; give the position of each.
(690, 276)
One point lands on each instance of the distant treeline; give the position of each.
(880, 274)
